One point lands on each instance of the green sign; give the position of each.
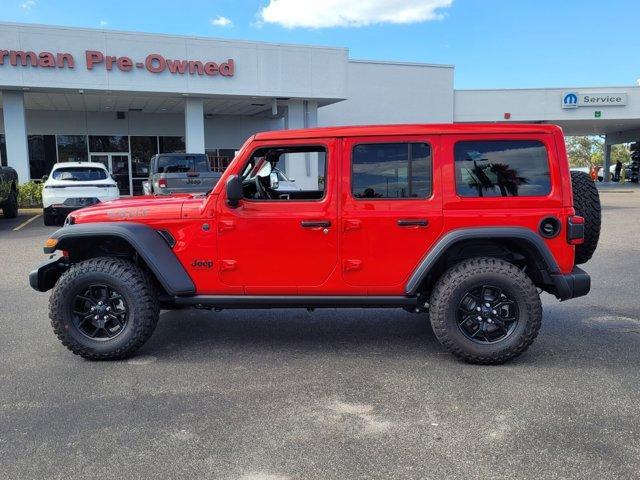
(597, 114)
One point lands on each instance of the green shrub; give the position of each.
(30, 195)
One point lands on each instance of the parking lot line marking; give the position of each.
(26, 222)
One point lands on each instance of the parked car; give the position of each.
(8, 192)
(74, 185)
(468, 222)
(180, 173)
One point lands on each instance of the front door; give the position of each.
(391, 210)
(118, 166)
(283, 236)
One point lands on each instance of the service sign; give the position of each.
(577, 99)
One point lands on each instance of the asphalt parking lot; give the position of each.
(332, 394)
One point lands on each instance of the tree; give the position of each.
(589, 152)
(583, 151)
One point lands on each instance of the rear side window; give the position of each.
(502, 168)
(391, 170)
(183, 163)
(79, 174)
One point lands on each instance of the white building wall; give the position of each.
(528, 105)
(379, 92)
(261, 69)
(221, 131)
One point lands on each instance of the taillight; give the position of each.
(575, 230)
(162, 183)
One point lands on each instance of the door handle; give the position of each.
(422, 222)
(315, 223)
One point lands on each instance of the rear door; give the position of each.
(391, 209)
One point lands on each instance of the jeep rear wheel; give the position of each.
(485, 310)
(586, 203)
(10, 207)
(104, 308)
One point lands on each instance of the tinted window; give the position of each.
(391, 170)
(79, 174)
(42, 155)
(72, 148)
(106, 143)
(183, 163)
(502, 168)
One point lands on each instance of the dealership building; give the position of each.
(72, 94)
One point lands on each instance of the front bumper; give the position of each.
(47, 274)
(572, 285)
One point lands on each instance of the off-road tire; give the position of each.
(50, 220)
(131, 282)
(449, 291)
(10, 207)
(586, 203)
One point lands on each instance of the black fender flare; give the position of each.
(146, 241)
(485, 233)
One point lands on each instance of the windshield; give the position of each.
(79, 174)
(183, 163)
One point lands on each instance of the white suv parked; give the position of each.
(73, 185)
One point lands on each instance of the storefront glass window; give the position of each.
(72, 148)
(42, 155)
(220, 158)
(172, 145)
(108, 143)
(142, 149)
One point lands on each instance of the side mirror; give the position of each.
(234, 191)
(274, 183)
(45, 178)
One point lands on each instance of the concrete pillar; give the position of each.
(606, 176)
(302, 167)
(15, 133)
(311, 114)
(295, 115)
(194, 125)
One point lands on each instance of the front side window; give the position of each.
(391, 170)
(79, 174)
(502, 168)
(285, 173)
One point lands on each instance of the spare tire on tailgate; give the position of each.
(586, 203)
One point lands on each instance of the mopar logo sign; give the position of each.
(577, 99)
(570, 100)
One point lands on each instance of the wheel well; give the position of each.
(519, 252)
(80, 249)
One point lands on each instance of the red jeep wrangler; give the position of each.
(466, 222)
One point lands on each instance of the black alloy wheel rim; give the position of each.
(487, 314)
(100, 312)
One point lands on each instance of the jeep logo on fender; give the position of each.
(202, 264)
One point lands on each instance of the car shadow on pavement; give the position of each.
(192, 333)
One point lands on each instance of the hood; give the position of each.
(142, 208)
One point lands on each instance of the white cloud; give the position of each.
(221, 21)
(103, 23)
(28, 5)
(350, 13)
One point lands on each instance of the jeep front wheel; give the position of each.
(104, 308)
(485, 310)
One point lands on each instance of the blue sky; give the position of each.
(492, 43)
